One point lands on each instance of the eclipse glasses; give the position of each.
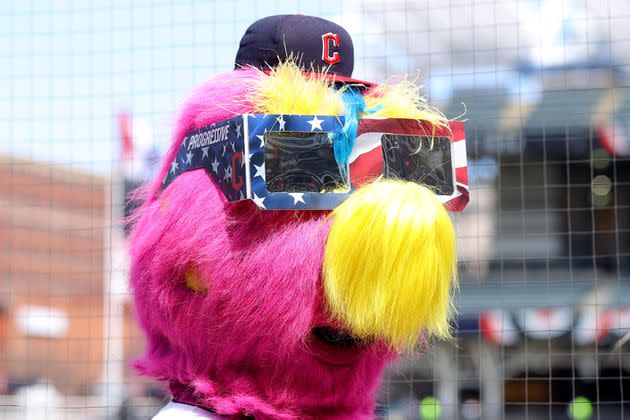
(287, 162)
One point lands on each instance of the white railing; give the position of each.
(56, 407)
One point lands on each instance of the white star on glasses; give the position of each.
(260, 201)
(228, 174)
(204, 151)
(215, 166)
(315, 123)
(174, 166)
(260, 170)
(189, 156)
(297, 198)
(238, 130)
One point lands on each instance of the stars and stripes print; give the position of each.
(258, 125)
(366, 158)
(219, 149)
(233, 153)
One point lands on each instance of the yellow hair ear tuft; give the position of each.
(390, 264)
(287, 90)
(402, 100)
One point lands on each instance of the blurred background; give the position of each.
(88, 91)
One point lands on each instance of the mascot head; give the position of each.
(289, 247)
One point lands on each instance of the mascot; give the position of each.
(297, 237)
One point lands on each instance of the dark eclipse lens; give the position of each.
(422, 159)
(301, 162)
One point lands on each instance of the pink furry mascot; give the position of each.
(293, 313)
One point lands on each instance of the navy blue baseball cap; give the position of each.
(320, 46)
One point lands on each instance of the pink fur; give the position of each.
(244, 347)
(220, 98)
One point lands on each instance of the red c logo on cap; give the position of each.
(326, 44)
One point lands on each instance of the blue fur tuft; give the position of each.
(344, 140)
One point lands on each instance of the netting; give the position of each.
(544, 244)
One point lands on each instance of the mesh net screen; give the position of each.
(88, 93)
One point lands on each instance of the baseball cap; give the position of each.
(320, 46)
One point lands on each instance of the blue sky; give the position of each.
(67, 67)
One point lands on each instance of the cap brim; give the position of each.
(337, 78)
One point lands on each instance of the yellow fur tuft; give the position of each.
(402, 100)
(390, 263)
(287, 90)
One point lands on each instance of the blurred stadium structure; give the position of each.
(545, 243)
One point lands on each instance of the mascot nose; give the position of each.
(390, 264)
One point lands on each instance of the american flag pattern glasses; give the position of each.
(285, 162)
